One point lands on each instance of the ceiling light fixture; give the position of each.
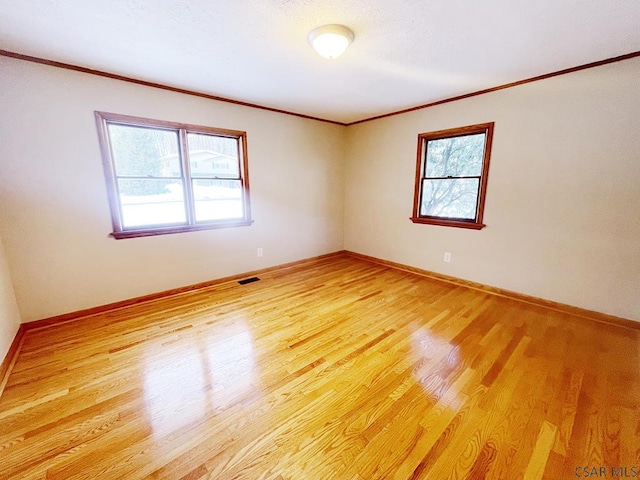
(330, 41)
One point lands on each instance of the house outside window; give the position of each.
(166, 177)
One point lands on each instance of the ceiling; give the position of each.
(405, 53)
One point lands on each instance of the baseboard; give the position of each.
(541, 302)
(72, 316)
(10, 358)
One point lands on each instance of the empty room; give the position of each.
(319, 240)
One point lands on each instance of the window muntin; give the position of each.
(166, 177)
(451, 176)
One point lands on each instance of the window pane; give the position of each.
(151, 202)
(453, 198)
(213, 156)
(217, 199)
(144, 152)
(456, 156)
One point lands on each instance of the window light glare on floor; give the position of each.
(330, 41)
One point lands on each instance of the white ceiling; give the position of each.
(406, 52)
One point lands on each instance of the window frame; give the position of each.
(103, 119)
(421, 163)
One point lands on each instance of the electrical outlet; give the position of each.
(259, 252)
(447, 257)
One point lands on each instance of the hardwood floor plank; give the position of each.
(541, 451)
(336, 369)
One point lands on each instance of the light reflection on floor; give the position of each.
(197, 380)
(426, 344)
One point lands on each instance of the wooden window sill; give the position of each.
(179, 229)
(448, 223)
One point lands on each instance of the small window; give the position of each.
(161, 176)
(451, 176)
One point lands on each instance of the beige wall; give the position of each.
(563, 201)
(55, 218)
(9, 316)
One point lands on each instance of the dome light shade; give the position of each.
(330, 41)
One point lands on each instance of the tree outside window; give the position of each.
(451, 176)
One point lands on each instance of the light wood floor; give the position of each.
(341, 369)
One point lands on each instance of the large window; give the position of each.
(451, 176)
(165, 177)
